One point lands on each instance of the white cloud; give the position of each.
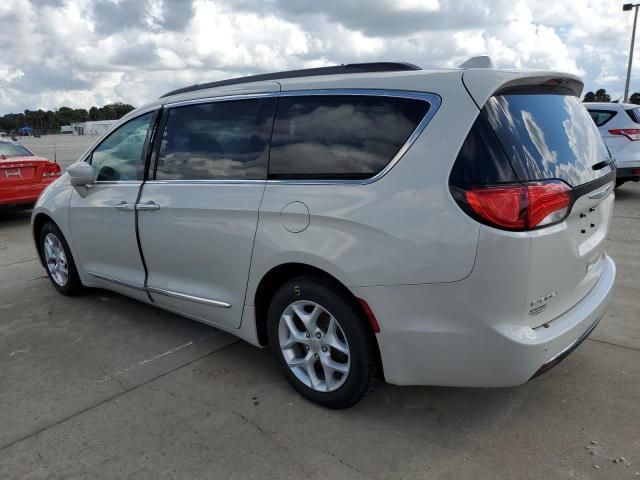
(90, 52)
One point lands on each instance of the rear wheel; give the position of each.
(321, 342)
(58, 260)
(619, 183)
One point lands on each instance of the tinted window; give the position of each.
(119, 156)
(340, 136)
(600, 117)
(634, 114)
(220, 140)
(14, 150)
(548, 136)
(481, 160)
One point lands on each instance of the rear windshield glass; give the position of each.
(548, 136)
(14, 150)
(634, 114)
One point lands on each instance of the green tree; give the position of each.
(589, 97)
(635, 98)
(602, 95)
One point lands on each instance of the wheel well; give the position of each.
(38, 222)
(277, 277)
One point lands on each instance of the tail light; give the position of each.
(517, 206)
(51, 170)
(632, 134)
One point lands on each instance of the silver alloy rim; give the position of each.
(314, 346)
(56, 259)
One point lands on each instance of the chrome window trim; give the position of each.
(433, 99)
(207, 182)
(116, 281)
(192, 298)
(117, 182)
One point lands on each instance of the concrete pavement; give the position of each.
(101, 386)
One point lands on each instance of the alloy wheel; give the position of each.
(56, 259)
(314, 346)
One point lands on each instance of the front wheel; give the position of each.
(322, 343)
(58, 260)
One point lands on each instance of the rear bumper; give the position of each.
(628, 173)
(23, 194)
(429, 337)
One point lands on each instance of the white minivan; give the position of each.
(367, 221)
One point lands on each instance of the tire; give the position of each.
(340, 345)
(56, 255)
(619, 183)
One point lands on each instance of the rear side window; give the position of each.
(600, 117)
(214, 141)
(340, 136)
(634, 114)
(548, 136)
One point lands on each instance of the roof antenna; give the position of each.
(482, 61)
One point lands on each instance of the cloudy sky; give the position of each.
(81, 53)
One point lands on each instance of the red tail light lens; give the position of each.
(51, 170)
(632, 134)
(518, 207)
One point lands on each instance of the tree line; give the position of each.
(601, 95)
(52, 120)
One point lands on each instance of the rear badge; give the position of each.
(539, 305)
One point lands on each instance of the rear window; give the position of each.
(14, 150)
(634, 114)
(340, 136)
(548, 136)
(600, 117)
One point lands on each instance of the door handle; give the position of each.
(125, 207)
(148, 206)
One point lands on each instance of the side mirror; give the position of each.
(81, 174)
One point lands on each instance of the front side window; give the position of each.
(340, 136)
(119, 156)
(217, 141)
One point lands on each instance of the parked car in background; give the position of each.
(364, 221)
(619, 125)
(23, 175)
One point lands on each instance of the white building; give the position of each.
(92, 128)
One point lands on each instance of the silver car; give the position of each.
(366, 222)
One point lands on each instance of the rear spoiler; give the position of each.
(485, 83)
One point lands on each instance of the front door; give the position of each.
(102, 215)
(197, 219)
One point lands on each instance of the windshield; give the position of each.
(548, 136)
(14, 150)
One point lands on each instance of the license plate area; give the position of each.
(17, 173)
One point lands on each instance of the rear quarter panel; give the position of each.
(402, 229)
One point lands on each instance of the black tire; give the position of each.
(73, 285)
(364, 364)
(619, 183)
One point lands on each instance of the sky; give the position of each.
(80, 53)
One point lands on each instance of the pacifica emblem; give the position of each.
(544, 298)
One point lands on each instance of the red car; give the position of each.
(23, 175)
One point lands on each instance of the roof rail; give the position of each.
(305, 72)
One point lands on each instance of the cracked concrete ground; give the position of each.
(101, 386)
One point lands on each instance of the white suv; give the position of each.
(619, 124)
(430, 227)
